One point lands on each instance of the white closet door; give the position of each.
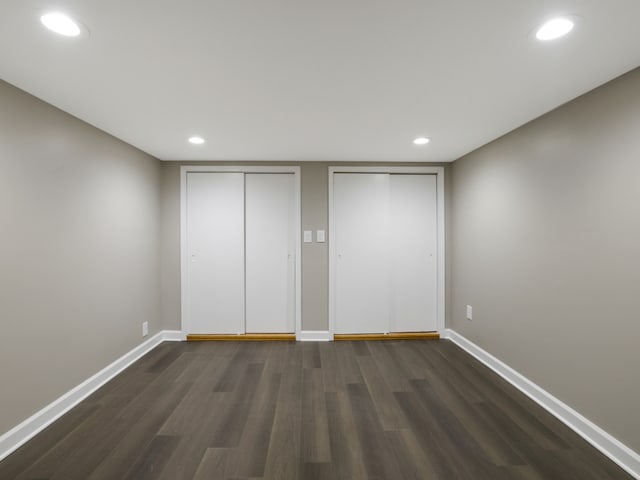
(215, 233)
(362, 282)
(270, 248)
(413, 253)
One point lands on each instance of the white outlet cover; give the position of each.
(469, 312)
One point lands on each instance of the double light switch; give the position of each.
(307, 236)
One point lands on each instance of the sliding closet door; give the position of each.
(215, 233)
(361, 222)
(413, 253)
(215, 238)
(270, 249)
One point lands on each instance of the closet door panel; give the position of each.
(270, 253)
(215, 233)
(413, 262)
(361, 222)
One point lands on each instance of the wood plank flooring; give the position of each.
(276, 410)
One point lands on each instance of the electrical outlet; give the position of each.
(145, 329)
(469, 312)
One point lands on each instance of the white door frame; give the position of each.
(439, 172)
(184, 281)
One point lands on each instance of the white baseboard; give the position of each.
(174, 336)
(314, 336)
(20, 434)
(626, 458)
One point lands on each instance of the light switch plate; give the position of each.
(307, 236)
(320, 236)
(469, 312)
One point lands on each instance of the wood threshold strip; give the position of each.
(389, 336)
(248, 337)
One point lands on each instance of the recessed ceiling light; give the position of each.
(421, 141)
(61, 24)
(555, 28)
(196, 140)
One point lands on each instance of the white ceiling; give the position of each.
(314, 79)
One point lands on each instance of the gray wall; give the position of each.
(79, 249)
(315, 267)
(546, 248)
(170, 247)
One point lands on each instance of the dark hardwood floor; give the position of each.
(282, 410)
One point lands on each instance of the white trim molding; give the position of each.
(625, 457)
(314, 336)
(173, 336)
(20, 434)
(439, 173)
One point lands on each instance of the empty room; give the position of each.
(319, 240)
